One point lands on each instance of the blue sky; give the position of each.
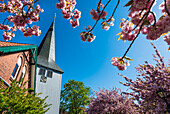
(90, 62)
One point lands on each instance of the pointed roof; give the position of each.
(46, 51)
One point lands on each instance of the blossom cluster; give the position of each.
(23, 14)
(162, 26)
(97, 15)
(127, 28)
(105, 24)
(69, 11)
(111, 102)
(120, 63)
(162, 7)
(87, 36)
(142, 16)
(150, 80)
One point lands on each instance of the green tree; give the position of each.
(16, 100)
(74, 97)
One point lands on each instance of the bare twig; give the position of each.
(166, 8)
(115, 8)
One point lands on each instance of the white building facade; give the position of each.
(49, 74)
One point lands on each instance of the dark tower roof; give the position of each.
(46, 51)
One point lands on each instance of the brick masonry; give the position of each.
(8, 62)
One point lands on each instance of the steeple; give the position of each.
(46, 50)
(47, 46)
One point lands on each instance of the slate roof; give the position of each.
(46, 51)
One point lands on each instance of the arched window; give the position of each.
(16, 68)
(22, 76)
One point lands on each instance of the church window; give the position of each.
(49, 74)
(22, 76)
(42, 72)
(16, 68)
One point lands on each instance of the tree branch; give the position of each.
(166, 9)
(133, 41)
(99, 16)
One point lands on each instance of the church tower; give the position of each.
(49, 74)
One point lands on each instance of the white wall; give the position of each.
(52, 89)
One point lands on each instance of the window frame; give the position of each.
(44, 71)
(22, 75)
(16, 70)
(49, 72)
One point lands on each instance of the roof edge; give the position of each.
(7, 49)
(60, 71)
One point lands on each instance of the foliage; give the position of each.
(150, 80)
(74, 97)
(111, 102)
(16, 100)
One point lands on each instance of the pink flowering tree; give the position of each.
(111, 102)
(69, 12)
(141, 19)
(21, 15)
(151, 79)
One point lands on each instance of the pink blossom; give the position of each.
(167, 39)
(67, 15)
(106, 28)
(151, 79)
(83, 38)
(77, 14)
(150, 18)
(74, 23)
(69, 11)
(91, 38)
(110, 101)
(8, 35)
(61, 5)
(119, 63)
(94, 14)
(103, 15)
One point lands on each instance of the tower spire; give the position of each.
(46, 49)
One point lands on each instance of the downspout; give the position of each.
(35, 69)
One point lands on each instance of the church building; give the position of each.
(36, 65)
(18, 62)
(49, 74)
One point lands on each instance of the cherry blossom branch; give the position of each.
(133, 41)
(99, 5)
(99, 17)
(154, 18)
(166, 8)
(115, 8)
(140, 21)
(146, 14)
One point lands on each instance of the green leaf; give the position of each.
(119, 37)
(127, 58)
(162, 17)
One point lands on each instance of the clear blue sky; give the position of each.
(90, 62)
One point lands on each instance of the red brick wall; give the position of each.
(8, 62)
